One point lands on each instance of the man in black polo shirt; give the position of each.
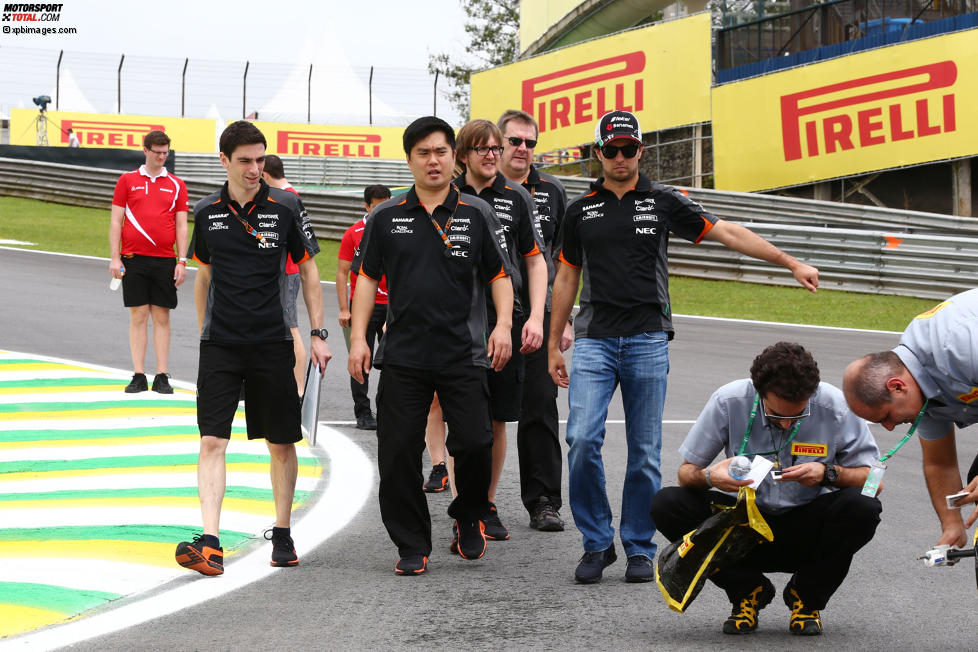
(242, 235)
(617, 235)
(538, 435)
(438, 250)
(479, 147)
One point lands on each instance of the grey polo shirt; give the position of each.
(940, 349)
(831, 434)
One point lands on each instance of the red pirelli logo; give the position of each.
(809, 450)
(312, 143)
(970, 396)
(108, 134)
(895, 109)
(555, 103)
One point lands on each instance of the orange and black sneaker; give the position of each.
(743, 618)
(411, 565)
(283, 549)
(200, 556)
(804, 621)
(471, 539)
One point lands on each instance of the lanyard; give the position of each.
(441, 232)
(750, 424)
(250, 229)
(906, 438)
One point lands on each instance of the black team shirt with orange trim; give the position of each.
(436, 311)
(621, 247)
(244, 302)
(516, 212)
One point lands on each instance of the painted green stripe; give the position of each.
(247, 493)
(56, 435)
(57, 382)
(4, 361)
(93, 405)
(54, 598)
(38, 466)
(136, 532)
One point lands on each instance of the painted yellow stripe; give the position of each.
(244, 505)
(116, 442)
(122, 411)
(305, 471)
(15, 619)
(35, 366)
(147, 553)
(68, 389)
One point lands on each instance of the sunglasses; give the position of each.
(628, 151)
(516, 141)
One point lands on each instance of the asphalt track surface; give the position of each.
(521, 595)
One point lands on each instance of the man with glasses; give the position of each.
(821, 453)
(615, 237)
(149, 215)
(538, 434)
(479, 149)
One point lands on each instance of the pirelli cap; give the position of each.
(617, 124)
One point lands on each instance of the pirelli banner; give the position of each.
(661, 73)
(113, 131)
(901, 105)
(286, 139)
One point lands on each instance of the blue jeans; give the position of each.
(640, 364)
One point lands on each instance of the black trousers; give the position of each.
(404, 396)
(375, 330)
(815, 542)
(538, 435)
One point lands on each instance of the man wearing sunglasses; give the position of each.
(615, 237)
(930, 379)
(812, 500)
(538, 433)
(479, 150)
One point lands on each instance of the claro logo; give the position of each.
(108, 134)
(606, 85)
(311, 143)
(898, 105)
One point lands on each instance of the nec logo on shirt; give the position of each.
(459, 253)
(645, 230)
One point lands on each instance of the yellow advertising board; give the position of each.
(298, 139)
(108, 130)
(886, 108)
(661, 73)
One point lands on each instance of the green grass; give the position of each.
(70, 229)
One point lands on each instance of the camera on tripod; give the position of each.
(42, 101)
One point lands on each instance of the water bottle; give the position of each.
(116, 282)
(739, 468)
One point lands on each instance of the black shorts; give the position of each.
(271, 395)
(506, 386)
(148, 281)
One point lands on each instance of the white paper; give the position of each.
(760, 467)
(310, 404)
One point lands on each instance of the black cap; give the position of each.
(617, 124)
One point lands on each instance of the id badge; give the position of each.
(874, 479)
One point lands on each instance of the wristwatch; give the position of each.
(831, 475)
(706, 474)
(319, 332)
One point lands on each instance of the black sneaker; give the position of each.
(161, 384)
(545, 517)
(201, 557)
(592, 565)
(803, 621)
(137, 384)
(639, 569)
(283, 549)
(743, 617)
(471, 539)
(367, 422)
(453, 547)
(437, 479)
(495, 530)
(411, 565)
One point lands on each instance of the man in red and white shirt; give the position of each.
(149, 216)
(373, 196)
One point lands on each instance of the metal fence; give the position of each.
(890, 252)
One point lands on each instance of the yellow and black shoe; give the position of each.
(803, 621)
(743, 618)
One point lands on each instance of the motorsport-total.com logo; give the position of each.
(30, 13)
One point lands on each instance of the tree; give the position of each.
(491, 28)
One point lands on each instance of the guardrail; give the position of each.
(306, 170)
(881, 256)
